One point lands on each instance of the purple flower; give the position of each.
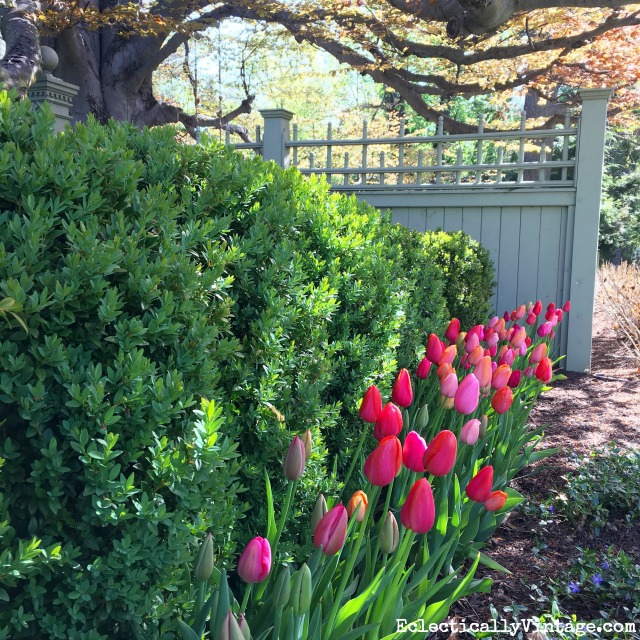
(574, 587)
(552, 509)
(605, 565)
(597, 579)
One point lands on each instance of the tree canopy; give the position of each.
(419, 48)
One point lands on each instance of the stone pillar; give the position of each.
(276, 135)
(57, 93)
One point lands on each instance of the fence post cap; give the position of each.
(276, 113)
(595, 94)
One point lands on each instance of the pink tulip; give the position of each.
(479, 486)
(493, 340)
(501, 376)
(423, 368)
(434, 348)
(519, 338)
(412, 451)
(507, 357)
(467, 395)
(440, 455)
(451, 334)
(544, 329)
(332, 530)
(402, 393)
(472, 342)
(520, 311)
(254, 563)
(389, 422)
(449, 386)
(371, 405)
(470, 432)
(384, 462)
(538, 353)
(418, 512)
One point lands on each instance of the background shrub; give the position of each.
(151, 275)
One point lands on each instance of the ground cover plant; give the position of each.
(137, 277)
(450, 440)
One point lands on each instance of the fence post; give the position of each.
(584, 261)
(275, 136)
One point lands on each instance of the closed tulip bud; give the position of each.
(422, 419)
(501, 376)
(475, 356)
(495, 501)
(423, 368)
(520, 311)
(384, 462)
(502, 400)
(282, 588)
(402, 393)
(389, 422)
(244, 626)
(567, 306)
(295, 460)
(544, 329)
(301, 590)
(537, 307)
(332, 530)
(515, 378)
(440, 455)
(446, 403)
(444, 370)
(467, 395)
(544, 370)
(255, 561)
(451, 334)
(318, 512)
(479, 486)
(460, 340)
(230, 628)
(434, 348)
(449, 354)
(449, 386)
(389, 536)
(203, 566)
(507, 316)
(528, 341)
(493, 322)
(412, 451)
(477, 330)
(483, 372)
(359, 502)
(484, 425)
(554, 321)
(418, 512)
(531, 319)
(470, 432)
(493, 350)
(472, 342)
(492, 340)
(518, 338)
(507, 357)
(522, 349)
(538, 353)
(371, 405)
(308, 444)
(551, 310)
(559, 314)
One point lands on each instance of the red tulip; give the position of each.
(479, 486)
(502, 400)
(389, 422)
(559, 314)
(384, 462)
(515, 378)
(412, 451)
(467, 395)
(255, 561)
(423, 368)
(544, 370)
(537, 307)
(501, 376)
(371, 405)
(360, 502)
(332, 530)
(470, 432)
(449, 385)
(538, 353)
(418, 512)
(451, 334)
(295, 459)
(477, 330)
(531, 319)
(434, 348)
(495, 500)
(551, 311)
(402, 393)
(440, 455)
(567, 306)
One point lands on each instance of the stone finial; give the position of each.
(49, 59)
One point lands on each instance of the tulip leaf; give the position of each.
(224, 605)
(436, 560)
(316, 622)
(541, 455)
(325, 579)
(187, 632)
(271, 516)
(359, 632)
(203, 614)
(314, 561)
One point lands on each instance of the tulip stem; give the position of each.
(202, 586)
(374, 557)
(354, 460)
(245, 600)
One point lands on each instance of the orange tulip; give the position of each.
(360, 502)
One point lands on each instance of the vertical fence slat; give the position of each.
(420, 174)
(363, 176)
(329, 148)
(346, 166)
(401, 153)
(382, 167)
(543, 159)
(523, 125)
(565, 144)
(499, 162)
(295, 149)
(459, 163)
(479, 149)
(439, 150)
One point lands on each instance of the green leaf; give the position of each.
(187, 632)
(271, 517)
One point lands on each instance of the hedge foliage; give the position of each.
(183, 304)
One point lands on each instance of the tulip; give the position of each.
(451, 334)
(371, 404)
(544, 370)
(567, 306)
(544, 329)
(507, 356)
(483, 372)
(412, 451)
(531, 319)
(295, 460)
(520, 311)
(440, 455)
(448, 355)
(537, 307)
(515, 378)
(318, 512)
(501, 376)
(519, 338)
(528, 341)
(389, 422)
(402, 393)
(332, 530)
(460, 340)
(255, 561)
(389, 536)
(495, 501)
(538, 353)
(449, 386)
(493, 322)
(384, 462)
(423, 368)
(301, 590)
(244, 627)
(559, 314)
(422, 419)
(359, 502)
(484, 424)
(470, 432)
(551, 311)
(308, 444)
(230, 628)
(522, 350)
(479, 486)
(554, 321)
(477, 330)
(203, 567)
(502, 400)
(475, 356)
(434, 348)
(418, 512)
(444, 370)
(493, 340)
(467, 395)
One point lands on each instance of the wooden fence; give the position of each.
(530, 196)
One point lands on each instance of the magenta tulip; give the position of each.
(418, 512)
(434, 348)
(384, 462)
(412, 451)
(467, 395)
(389, 422)
(515, 378)
(451, 334)
(255, 561)
(332, 530)
(449, 386)
(440, 455)
(544, 329)
(423, 368)
(402, 393)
